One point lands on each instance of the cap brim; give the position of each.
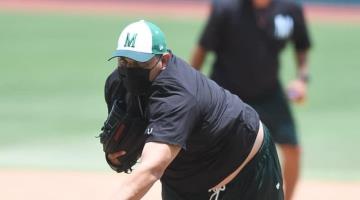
(138, 56)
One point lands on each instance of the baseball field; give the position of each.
(53, 64)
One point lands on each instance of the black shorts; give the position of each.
(275, 113)
(260, 179)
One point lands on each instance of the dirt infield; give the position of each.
(45, 185)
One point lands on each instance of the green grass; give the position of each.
(52, 72)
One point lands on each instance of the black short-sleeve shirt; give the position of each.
(214, 128)
(247, 43)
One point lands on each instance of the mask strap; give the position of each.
(140, 106)
(157, 62)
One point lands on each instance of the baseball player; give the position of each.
(247, 37)
(202, 141)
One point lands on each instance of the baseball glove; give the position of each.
(122, 131)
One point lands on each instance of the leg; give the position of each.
(291, 157)
(168, 193)
(261, 178)
(276, 114)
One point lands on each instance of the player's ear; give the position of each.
(165, 59)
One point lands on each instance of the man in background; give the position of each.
(247, 37)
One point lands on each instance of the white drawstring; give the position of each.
(216, 192)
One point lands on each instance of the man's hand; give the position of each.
(113, 157)
(297, 91)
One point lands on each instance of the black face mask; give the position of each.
(136, 80)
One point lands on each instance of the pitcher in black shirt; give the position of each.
(247, 37)
(203, 142)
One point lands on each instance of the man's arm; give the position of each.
(302, 65)
(156, 157)
(297, 89)
(198, 57)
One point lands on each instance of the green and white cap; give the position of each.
(140, 41)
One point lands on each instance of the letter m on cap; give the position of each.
(130, 40)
